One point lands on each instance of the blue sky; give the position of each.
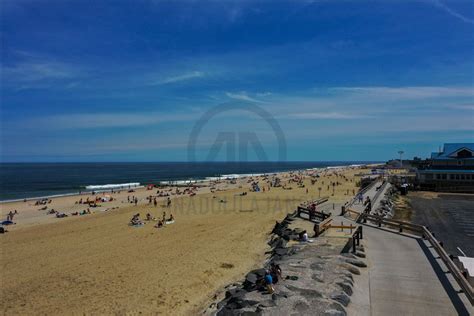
(128, 80)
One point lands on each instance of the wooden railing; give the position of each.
(426, 234)
(356, 237)
(312, 215)
(401, 226)
(321, 227)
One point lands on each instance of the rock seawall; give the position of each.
(316, 278)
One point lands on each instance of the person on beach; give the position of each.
(275, 272)
(312, 211)
(10, 215)
(368, 205)
(168, 202)
(269, 282)
(159, 224)
(303, 236)
(136, 220)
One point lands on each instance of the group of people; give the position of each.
(133, 200)
(42, 202)
(83, 212)
(136, 221)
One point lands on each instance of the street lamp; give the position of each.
(401, 152)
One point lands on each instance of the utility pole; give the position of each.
(401, 152)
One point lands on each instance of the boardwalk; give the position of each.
(404, 277)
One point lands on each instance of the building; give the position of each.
(449, 170)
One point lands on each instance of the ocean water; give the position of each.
(29, 180)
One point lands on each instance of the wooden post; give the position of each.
(353, 245)
(316, 230)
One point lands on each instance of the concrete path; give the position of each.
(404, 276)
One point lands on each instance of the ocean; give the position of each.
(31, 180)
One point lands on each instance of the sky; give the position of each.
(151, 80)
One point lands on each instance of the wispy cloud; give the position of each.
(34, 71)
(179, 78)
(410, 92)
(242, 96)
(447, 9)
(104, 120)
(466, 107)
(327, 115)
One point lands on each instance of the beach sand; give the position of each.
(97, 264)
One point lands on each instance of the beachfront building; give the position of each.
(451, 169)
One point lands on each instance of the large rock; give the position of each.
(356, 262)
(346, 287)
(350, 268)
(341, 297)
(235, 292)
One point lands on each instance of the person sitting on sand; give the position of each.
(60, 215)
(159, 224)
(171, 219)
(303, 236)
(149, 217)
(136, 220)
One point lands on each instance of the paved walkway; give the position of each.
(404, 276)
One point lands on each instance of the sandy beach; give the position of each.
(97, 264)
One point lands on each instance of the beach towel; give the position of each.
(169, 222)
(7, 223)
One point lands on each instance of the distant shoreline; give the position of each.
(203, 179)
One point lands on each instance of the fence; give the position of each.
(321, 227)
(321, 216)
